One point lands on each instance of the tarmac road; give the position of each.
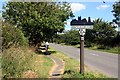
(106, 63)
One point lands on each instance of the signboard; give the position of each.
(82, 23)
(83, 27)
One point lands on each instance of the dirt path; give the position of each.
(58, 68)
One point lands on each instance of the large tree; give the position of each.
(116, 11)
(70, 37)
(38, 20)
(102, 33)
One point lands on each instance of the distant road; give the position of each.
(106, 63)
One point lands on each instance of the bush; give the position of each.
(103, 47)
(118, 50)
(88, 44)
(71, 38)
(88, 75)
(15, 61)
(12, 36)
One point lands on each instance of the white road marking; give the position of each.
(94, 54)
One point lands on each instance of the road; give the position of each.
(106, 63)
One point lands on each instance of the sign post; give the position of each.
(82, 54)
(82, 25)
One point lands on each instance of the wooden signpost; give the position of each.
(82, 25)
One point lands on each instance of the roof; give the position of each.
(81, 21)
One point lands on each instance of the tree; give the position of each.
(71, 37)
(12, 36)
(39, 21)
(116, 11)
(102, 33)
(1, 33)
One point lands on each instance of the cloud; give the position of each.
(103, 7)
(77, 7)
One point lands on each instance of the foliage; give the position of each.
(0, 33)
(70, 37)
(114, 50)
(41, 65)
(116, 11)
(58, 38)
(102, 33)
(116, 14)
(86, 75)
(12, 36)
(116, 40)
(38, 20)
(15, 61)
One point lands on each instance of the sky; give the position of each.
(87, 8)
(93, 10)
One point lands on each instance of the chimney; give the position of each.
(89, 20)
(79, 18)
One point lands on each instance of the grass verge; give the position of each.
(41, 65)
(0, 65)
(114, 50)
(24, 63)
(72, 67)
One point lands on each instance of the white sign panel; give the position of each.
(83, 27)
